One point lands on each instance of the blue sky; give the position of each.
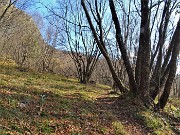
(37, 6)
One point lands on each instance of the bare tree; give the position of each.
(149, 63)
(79, 42)
(84, 57)
(46, 62)
(100, 42)
(20, 38)
(83, 49)
(24, 46)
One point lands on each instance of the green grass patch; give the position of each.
(154, 122)
(119, 128)
(45, 103)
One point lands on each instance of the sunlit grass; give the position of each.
(154, 121)
(119, 128)
(45, 103)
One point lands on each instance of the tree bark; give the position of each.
(119, 39)
(120, 85)
(156, 77)
(176, 41)
(144, 44)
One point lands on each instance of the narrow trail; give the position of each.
(122, 113)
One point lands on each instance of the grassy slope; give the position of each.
(67, 108)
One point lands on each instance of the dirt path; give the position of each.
(123, 114)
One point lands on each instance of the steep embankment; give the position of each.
(44, 103)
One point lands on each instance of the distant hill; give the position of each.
(15, 27)
(21, 40)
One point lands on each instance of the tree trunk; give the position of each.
(145, 52)
(119, 39)
(156, 77)
(101, 46)
(176, 41)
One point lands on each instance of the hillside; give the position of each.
(20, 38)
(44, 103)
(48, 91)
(16, 25)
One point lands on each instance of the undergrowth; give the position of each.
(45, 103)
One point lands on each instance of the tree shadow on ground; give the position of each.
(174, 122)
(60, 114)
(124, 111)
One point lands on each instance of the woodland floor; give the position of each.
(48, 104)
(126, 111)
(123, 114)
